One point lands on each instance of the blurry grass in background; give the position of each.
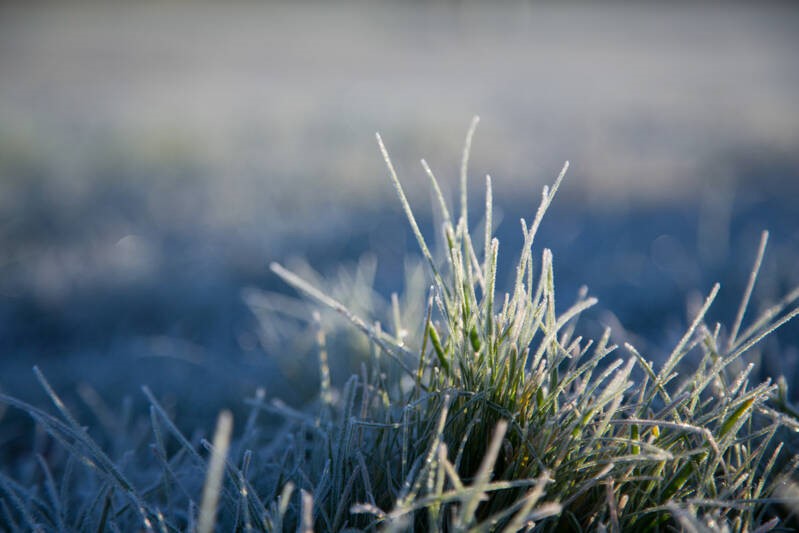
(155, 158)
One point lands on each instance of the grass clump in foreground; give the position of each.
(493, 416)
(504, 420)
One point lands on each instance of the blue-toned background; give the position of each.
(154, 158)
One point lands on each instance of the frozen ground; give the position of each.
(155, 157)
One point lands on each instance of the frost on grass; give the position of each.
(478, 410)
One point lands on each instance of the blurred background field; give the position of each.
(155, 157)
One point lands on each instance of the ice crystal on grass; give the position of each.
(513, 421)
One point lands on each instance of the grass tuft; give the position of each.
(524, 408)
